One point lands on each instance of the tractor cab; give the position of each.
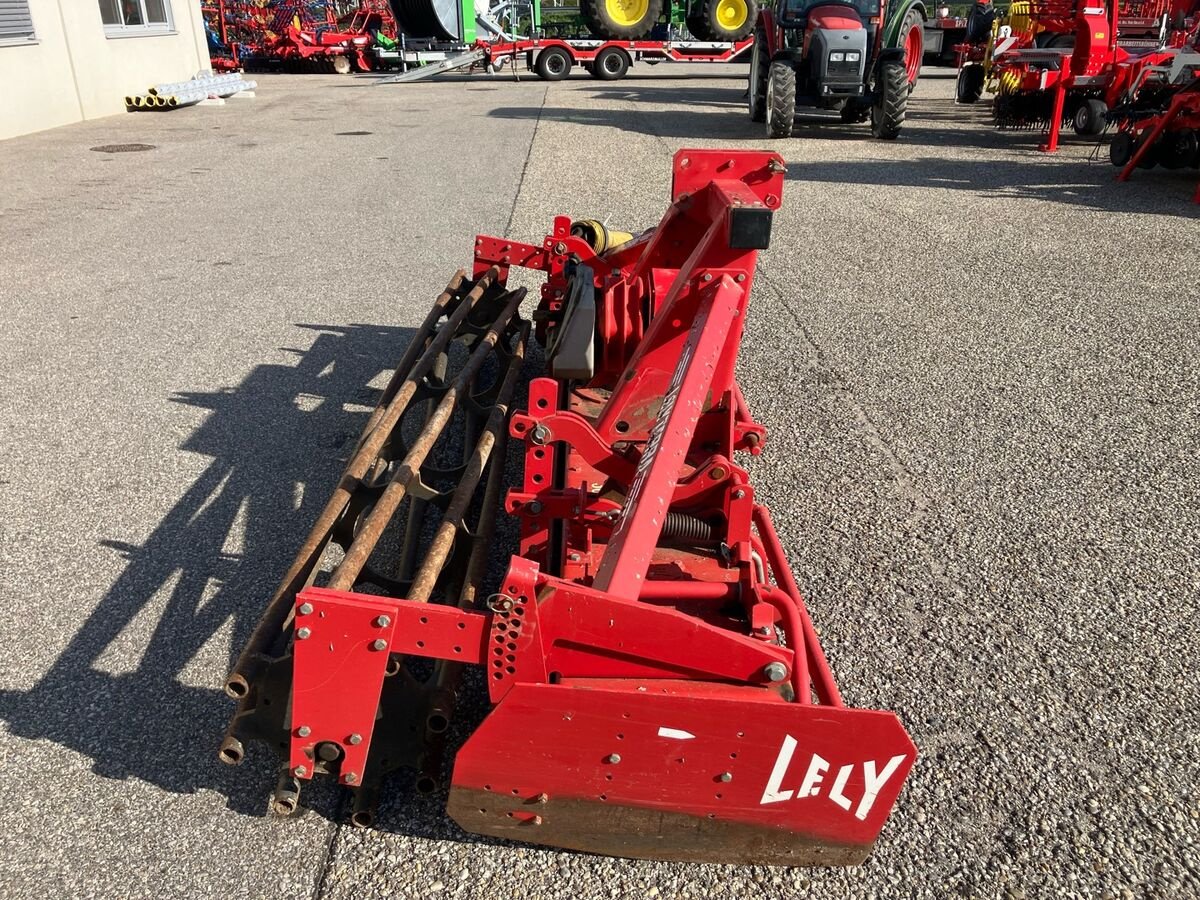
(836, 55)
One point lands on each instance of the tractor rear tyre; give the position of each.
(1090, 118)
(760, 68)
(891, 100)
(723, 20)
(611, 64)
(912, 42)
(969, 87)
(979, 23)
(625, 20)
(553, 64)
(781, 100)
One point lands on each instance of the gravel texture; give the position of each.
(978, 365)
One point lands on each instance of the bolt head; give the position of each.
(304, 731)
(726, 777)
(707, 276)
(540, 434)
(305, 609)
(350, 777)
(379, 644)
(775, 671)
(302, 633)
(534, 507)
(739, 495)
(614, 758)
(355, 739)
(301, 770)
(741, 277)
(383, 621)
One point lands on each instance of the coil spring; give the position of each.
(686, 528)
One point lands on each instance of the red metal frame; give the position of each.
(682, 683)
(498, 52)
(1108, 53)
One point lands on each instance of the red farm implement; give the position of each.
(657, 687)
(1059, 62)
(293, 33)
(1160, 123)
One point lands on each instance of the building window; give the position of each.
(16, 27)
(130, 17)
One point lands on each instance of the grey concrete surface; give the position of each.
(979, 370)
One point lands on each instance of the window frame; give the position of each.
(21, 40)
(148, 29)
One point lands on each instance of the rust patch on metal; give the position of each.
(640, 832)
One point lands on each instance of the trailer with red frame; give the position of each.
(553, 59)
(657, 686)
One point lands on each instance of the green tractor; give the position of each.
(707, 20)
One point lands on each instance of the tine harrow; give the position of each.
(657, 688)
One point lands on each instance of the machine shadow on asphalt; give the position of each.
(276, 443)
(1075, 183)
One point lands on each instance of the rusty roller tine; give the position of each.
(348, 570)
(278, 609)
(443, 539)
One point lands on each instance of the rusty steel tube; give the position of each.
(237, 685)
(351, 566)
(443, 539)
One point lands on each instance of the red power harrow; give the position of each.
(657, 688)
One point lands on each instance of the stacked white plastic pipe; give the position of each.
(185, 93)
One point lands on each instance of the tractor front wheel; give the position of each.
(912, 42)
(969, 87)
(891, 100)
(760, 68)
(781, 100)
(723, 20)
(625, 20)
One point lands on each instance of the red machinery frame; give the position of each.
(1108, 47)
(651, 698)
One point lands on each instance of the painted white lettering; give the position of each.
(810, 787)
(875, 783)
(839, 784)
(773, 794)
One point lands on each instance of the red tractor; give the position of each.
(860, 57)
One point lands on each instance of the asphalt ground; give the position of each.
(978, 365)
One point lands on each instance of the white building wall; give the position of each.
(75, 71)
